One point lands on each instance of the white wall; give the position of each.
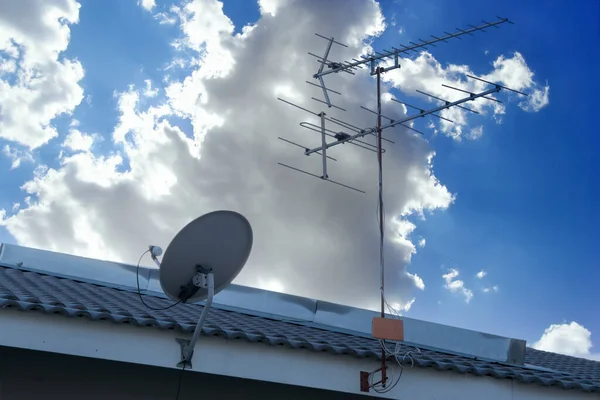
(237, 358)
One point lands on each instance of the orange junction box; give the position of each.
(388, 329)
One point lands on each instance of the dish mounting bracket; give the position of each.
(203, 279)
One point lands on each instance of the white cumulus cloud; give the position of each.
(567, 338)
(17, 156)
(456, 285)
(78, 141)
(36, 83)
(147, 5)
(426, 74)
(491, 289)
(311, 238)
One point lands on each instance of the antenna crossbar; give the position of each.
(394, 53)
(339, 136)
(328, 89)
(467, 92)
(421, 110)
(320, 177)
(302, 147)
(492, 83)
(391, 120)
(446, 101)
(331, 39)
(356, 128)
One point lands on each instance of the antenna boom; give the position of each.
(396, 52)
(405, 120)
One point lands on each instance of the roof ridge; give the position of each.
(583, 359)
(56, 294)
(257, 302)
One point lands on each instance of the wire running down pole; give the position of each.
(381, 221)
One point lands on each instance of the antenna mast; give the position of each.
(351, 134)
(380, 167)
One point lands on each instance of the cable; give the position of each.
(380, 205)
(179, 381)
(137, 278)
(380, 209)
(401, 356)
(381, 224)
(378, 387)
(382, 386)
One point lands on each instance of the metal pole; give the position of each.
(189, 351)
(380, 162)
(324, 144)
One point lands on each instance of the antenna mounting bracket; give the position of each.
(200, 280)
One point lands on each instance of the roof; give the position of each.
(34, 291)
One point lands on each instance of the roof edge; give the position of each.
(264, 303)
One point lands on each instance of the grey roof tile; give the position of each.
(30, 291)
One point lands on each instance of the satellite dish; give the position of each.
(217, 243)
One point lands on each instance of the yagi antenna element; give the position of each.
(351, 134)
(392, 54)
(201, 260)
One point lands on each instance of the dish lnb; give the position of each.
(155, 251)
(201, 260)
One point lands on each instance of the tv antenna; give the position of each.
(343, 132)
(201, 260)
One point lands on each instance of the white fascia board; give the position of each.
(237, 358)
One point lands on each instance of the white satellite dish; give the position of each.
(219, 242)
(201, 260)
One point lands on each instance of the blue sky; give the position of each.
(525, 210)
(526, 190)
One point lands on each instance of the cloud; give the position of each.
(314, 238)
(269, 7)
(398, 309)
(490, 289)
(539, 99)
(571, 339)
(494, 288)
(38, 85)
(427, 74)
(16, 156)
(149, 91)
(514, 73)
(77, 141)
(147, 5)
(476, 132)
(422, 242)
(272, 284)
(164, 18)
(457, 286)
